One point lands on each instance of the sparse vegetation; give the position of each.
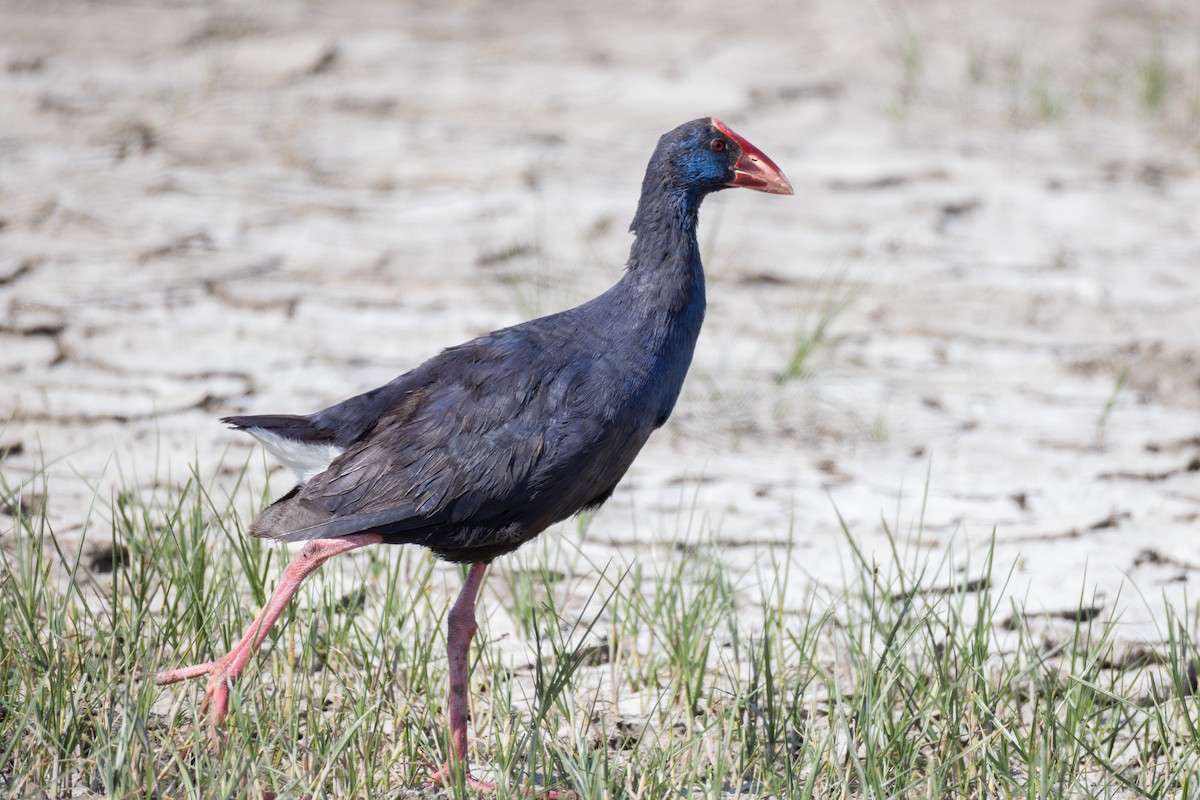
(657, 679)
(1018, 74)
(814, 323)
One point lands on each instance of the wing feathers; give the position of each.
(391, 522)
(462, 451)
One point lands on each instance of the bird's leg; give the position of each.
(225, 670)
(461, 630)
(461, 627)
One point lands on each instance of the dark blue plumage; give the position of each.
(486, 444)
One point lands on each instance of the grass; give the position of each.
(1119, 385)
(670, 675)
(817, 316)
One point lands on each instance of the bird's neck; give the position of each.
(662, 300)
(664, 262)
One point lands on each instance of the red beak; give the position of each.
(753, 170)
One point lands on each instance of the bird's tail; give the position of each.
(286, 426)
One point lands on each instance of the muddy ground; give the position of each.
(976, 318)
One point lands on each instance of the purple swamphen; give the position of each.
(485, 445)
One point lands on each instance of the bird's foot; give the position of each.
(444, 778)
(221, 675)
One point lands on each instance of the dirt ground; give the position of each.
(986, 285)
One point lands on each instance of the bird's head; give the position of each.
(706, 155)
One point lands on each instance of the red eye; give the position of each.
(717, 145)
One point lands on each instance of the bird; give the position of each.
(487, 444)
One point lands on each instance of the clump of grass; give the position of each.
(814, 327)
(673, 675)
(1110, 404)
(1155, 76)
(910, 53)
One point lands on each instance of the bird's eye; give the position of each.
(717, 145)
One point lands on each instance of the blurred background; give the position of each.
(976, 318)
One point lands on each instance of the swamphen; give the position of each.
(485, 445)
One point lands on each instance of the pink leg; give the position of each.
(225, 670)
(462, 627)
(461, 630)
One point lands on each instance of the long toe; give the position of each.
(216, 695)
(444, 778)
(183, 673)
(216, 692)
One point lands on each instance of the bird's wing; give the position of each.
(462, 443)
